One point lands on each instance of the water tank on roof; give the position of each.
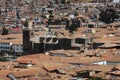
(71, 16)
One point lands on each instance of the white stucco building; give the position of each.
(11, 43)
(17, 48)
(4, 46)
(116, 1)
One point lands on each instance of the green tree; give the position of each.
(26, 23)
(108, 16)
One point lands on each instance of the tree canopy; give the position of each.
(108, 15)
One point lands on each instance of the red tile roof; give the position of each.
(24, 61)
